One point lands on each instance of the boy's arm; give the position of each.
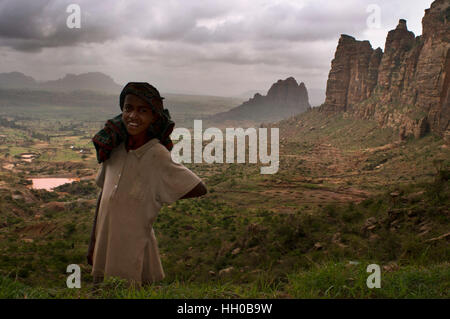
(197, 191)
(93, 239)
(99, 180)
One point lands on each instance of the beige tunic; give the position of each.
(135, 186)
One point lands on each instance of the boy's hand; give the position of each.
(197, 191)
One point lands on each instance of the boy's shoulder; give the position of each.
(160, 153)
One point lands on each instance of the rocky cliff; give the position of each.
(285, 98)
(404, 87)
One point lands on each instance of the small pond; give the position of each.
(51, 182)
(28, 157)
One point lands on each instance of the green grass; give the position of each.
(64, 155)
(349, 281)
(279, 243)
(194, 242)
(332, 280)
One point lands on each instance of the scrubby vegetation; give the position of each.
(212, 249)
(341, 200)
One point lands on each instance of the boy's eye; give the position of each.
(128, 108)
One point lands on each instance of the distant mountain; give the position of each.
(17, 80)
(92, 81)
(316, 96)
(285, 98)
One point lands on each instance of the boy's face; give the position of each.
(137, 115)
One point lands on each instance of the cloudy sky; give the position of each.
(210, 47)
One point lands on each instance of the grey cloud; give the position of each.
(176, 20)
(282, 21)
(33, 25)
(275, 53)
(37, 24)
(22, 20)
(219, 45)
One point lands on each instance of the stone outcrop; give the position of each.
(404, 87)
(353, 74)
(285, 98)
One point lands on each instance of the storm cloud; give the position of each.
(199, 46)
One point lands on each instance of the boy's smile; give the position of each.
(138, 116)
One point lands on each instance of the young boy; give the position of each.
(137, 176)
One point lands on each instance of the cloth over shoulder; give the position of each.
(100, 178)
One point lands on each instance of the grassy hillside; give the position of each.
(347, 195)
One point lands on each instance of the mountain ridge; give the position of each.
(90, 81)
(405, 87)
(285, 98)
